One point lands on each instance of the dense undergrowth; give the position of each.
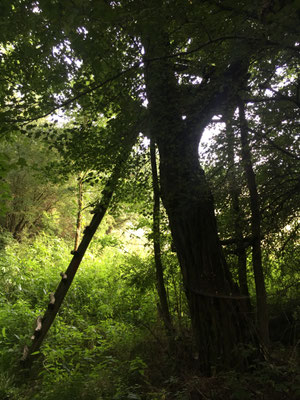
(108, 341)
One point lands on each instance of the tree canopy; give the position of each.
(95, 81)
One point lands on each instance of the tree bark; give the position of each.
(44, 323)
(163, 302)
(234, 191)
(261, 296)
(215, 305)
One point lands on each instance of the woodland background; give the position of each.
(105, 109)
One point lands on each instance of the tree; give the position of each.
(259, 152)
(189, 205)
(163, 301)
(31, 180)
(44, 323)
(261, 296)
(237, 213)
(188, 60)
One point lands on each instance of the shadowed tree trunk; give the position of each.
(234, 191)
(215, 305)
(163, 302)
(261, 297)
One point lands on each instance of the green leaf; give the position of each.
(22, 162)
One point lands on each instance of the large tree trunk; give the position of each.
(216, 320)
(261, 296)
(163, 302)
(215, 306)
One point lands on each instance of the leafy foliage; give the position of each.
(74, 86)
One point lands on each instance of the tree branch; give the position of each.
(272, 143)
(78, 96)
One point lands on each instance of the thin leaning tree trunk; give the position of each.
(234, 192)
(44, 323)
(261, 296)
(163, 302)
